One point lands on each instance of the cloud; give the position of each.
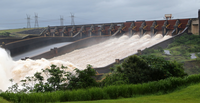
(13, 12)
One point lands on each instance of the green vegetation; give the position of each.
(189, 94)
(56, 80)
(14, 32)
(5, 34)
(143, 69)
(109, 92)
(139, 77)
(134, 71)
(3, 100)
(180, 51)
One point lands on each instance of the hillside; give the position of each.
(23, 32)
(181, 50)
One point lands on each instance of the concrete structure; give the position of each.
(143, 27)
(87, 35)
(56, 34)
(195, 26)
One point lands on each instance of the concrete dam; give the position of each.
(99, 45)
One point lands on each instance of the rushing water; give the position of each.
(105, 53)
(97, 55)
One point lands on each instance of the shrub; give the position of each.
(147, 51)
(160, 49)
(57, 79)
(5, 34)
(82, 79)
(142, 69)
(97, 93)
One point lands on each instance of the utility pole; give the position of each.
(61, 20)
(199, 20)
(36, 20)
(72, 19)
(28, 21)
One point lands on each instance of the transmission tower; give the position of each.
(72, 19)
(28, 21)
(36, 20)
(61, 20)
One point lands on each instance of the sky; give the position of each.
(13, 13)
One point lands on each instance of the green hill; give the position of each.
(23, 32)
(180, 51)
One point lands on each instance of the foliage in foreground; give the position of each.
(57, 79)
(188, 94)
(109, 92)
(143, 69)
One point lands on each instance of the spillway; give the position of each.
(105, 53)
(98, 55)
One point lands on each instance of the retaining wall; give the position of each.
(8, 40)
(29, 44)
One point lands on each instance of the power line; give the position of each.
(36, 20)
(72, 19)
(61, 20)
(28, 21)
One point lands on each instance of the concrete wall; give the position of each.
(195, 26)
(6, 40)
(33, 43)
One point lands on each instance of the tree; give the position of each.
(57, 79)
(142, 69)
(82, 78)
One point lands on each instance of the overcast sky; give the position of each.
(13, 13)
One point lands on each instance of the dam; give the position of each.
(97, 44)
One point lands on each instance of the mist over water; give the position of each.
(6, 65)
(98, 55)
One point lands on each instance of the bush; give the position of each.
(162, 68)
(147, 51)
(82, 79)
(57, 79)
(109, 92)
(142, 69)
(187, 40)
(5, 34)
(160, 49)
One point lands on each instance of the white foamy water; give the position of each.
(20, 69)
(98, 55)
(105, 53)
(6, 65)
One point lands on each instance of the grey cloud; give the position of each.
(13, 12)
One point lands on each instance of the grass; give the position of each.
(3, 100)
(189, 94)
(14, 32)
